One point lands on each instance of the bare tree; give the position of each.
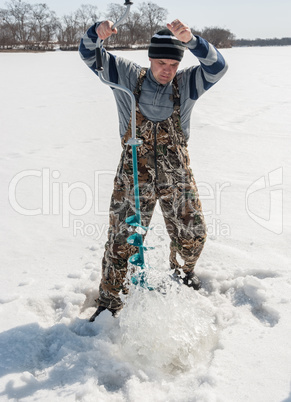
(139, 26)
(135, 28)
(6, 37)
(219, 37)
(129, 33)
(195, 31)
(50, 30)
(114, 12)
(153, 18)
(69, 32)
(17, 20)
(86, 16)
(74, 25)
(44, 23)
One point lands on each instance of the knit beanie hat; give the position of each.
(164, 45)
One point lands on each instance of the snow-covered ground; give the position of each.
(59, 150)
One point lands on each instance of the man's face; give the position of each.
(164, 70)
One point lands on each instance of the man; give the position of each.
(165, 98)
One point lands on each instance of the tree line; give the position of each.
(36, 27)
(263, 42)
(28, 26)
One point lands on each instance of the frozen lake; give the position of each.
(59, 150)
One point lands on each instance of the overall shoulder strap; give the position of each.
(176, 93)
(139, 83)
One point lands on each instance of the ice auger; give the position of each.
(135, 239)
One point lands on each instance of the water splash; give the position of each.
(169, 332)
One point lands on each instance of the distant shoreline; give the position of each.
(75, 49)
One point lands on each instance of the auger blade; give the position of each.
(136, 259)
(133, 221)
(140, 279)
(135, 240)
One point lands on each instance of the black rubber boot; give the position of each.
(192, 281)
(99, 311)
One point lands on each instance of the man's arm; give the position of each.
(116, 69)
(212, 64)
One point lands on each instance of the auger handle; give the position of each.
(127, 3)
(99, 63)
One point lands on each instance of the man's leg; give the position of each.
(117, 250)
(184, 220)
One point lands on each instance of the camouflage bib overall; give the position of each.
(164, 174)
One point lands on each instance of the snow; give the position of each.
(60, 147)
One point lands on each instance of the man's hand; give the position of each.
(180, 30)
(105, 30)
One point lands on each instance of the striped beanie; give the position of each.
(164, 45)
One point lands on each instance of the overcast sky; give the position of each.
(247, 19)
